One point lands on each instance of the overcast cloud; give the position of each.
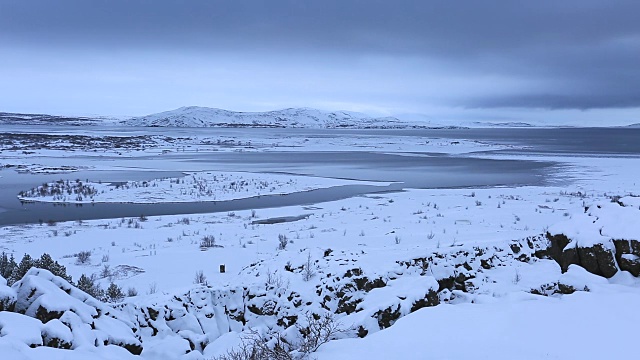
(464, 59)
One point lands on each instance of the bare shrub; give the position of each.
(256, 346)
(105, 272)
(153, 288)
(83, 257)
(282, 241)
(315, 331)
(276, 281)
(517, 277)
(309, 269)
(200, 278)
(208, 241)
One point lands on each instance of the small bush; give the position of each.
(309, 269)
(282, 241)
(208, 241)
(88, 284)
(114, 293)
(83, 257)
(153, 288)
(315, 331)
(200, 278)
(105, 272)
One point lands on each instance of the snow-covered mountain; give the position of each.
(195, 116)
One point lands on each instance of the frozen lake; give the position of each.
(412, 170)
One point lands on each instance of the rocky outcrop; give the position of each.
(71, 318)
(628, 255)
(602, 240)
(602, 259)
(7, 296)
(65, 317)
(598, 260)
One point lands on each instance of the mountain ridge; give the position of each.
(196, 116)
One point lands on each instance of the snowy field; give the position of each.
(492, 273)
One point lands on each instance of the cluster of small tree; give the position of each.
(208, 241)
(12, 271)
(60, 189)
(90, 285)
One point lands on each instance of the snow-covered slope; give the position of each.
(194, 116)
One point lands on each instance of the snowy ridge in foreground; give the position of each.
(195, 116)
(49, 314)
(42, 310)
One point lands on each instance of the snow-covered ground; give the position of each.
(576, 326)
(28, 143)
(424, 273)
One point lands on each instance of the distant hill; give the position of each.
(44, 119)
(194, 116)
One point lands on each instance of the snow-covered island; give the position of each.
(200, 186)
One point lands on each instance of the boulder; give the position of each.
(628, 255)
(598, 258)
(7, 296)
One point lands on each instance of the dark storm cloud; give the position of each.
(567, 54)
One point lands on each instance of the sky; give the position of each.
(570, 62)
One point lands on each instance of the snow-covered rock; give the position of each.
(21, 328)
(7, 296)
(602, 240)
(50, 299)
